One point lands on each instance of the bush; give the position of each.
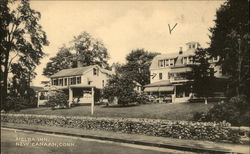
(236, 111)
(57, 98)
(143, 98)
(152, 127)
(17, 103)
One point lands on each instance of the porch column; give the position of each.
(174, 95)
(38, 98)
(93, 101)
(70, 96)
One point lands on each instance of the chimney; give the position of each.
(180, 51)
(79, 63)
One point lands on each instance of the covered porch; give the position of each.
(82, 94)
(161, 92)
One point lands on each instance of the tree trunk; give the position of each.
(205, 100)
(5, 82)
(239, 69)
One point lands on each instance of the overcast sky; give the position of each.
(125, 25)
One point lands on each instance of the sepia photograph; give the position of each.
(124, 77)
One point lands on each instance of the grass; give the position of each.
(178, 111)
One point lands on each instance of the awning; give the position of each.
(151, 89)
(180, 70)
(168, 88)
(156, 89)
(81, 86)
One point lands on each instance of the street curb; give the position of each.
(174, 147)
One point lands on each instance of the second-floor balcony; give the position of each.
(178, 79)
(179, 74)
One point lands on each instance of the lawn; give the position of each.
(178, 111)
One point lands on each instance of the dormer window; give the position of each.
(161, 63)
(171, 62)
(166, 62)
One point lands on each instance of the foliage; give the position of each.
(84, 51)
(236, 111)
(229, 40)
(90, 51)
(21, 41)
(17, 103)
(57, 98)
(137, 66)
(122, 88)
(143, 98)
(64, 59)
(220, 132)
(201, 73)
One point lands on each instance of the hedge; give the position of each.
(219, 132)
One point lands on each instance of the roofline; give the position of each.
(91, 66)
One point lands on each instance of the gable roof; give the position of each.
(178, 58)
(77, 71)
(71, 71)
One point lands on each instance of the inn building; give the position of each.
(169, 82)
(81, 84)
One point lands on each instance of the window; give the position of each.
(78, 80)
(60, 82)
(55, 81)
(171, 62)
(166, 62)
(65, 81)
(161, 63)
(103, 83)
(184, 61)
(160, 76)
(74, 80)
(70, 81)
(191, 60)
(94, 71)
(193, 45)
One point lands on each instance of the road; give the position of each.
(28, 142)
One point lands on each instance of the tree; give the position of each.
(137, 66)
(202, 75)
(90, 51)
(64, 59)
(229, 40)
(122, 88)
(85, 50)
(21, 40)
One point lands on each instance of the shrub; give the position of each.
(120, 88)
(143, 98)
(17, 103)
(236, 111)
(152, 127)
(57, 98)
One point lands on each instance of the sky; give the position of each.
(125, 25)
